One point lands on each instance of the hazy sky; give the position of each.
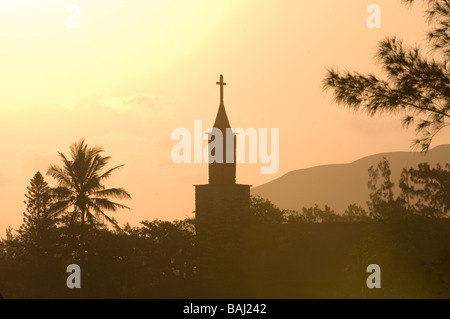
(136, 70)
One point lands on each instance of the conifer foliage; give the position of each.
(38, 223)
(415, 86)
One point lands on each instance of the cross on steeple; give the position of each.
(221, 83)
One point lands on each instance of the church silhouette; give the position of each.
(221, 202)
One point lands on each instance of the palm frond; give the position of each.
(118, 193)
(60, 175)
(59, 207)
(62, 194)
(107, 174)
(104, 203)
(71, 171)
(98, 210)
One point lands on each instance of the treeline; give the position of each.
(162, 259)
(424, 192)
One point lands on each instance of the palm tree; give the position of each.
(80, 187)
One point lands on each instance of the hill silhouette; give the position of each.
(338, 185)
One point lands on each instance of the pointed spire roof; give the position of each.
(222, 118)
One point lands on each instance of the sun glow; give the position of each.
(116, 40)
(23, 2)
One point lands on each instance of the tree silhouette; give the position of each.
(38, 225)
(382, 204)
(425, 190)
(415, 86)
(264, 211)
(80, 187)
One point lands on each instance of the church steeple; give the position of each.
(224, 172)
(220, 204)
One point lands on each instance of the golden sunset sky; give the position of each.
(136, 70)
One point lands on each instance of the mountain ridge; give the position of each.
(339, 185)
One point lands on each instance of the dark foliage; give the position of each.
(272, 253)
